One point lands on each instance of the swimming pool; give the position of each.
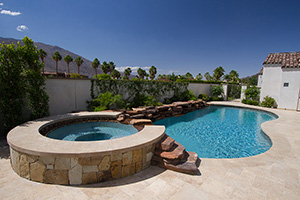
(92, 131)
(220, 131)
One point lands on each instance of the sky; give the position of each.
(177, 36)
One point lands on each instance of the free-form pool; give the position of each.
(92, 131)
(220, 131)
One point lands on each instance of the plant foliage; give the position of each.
(268, 102)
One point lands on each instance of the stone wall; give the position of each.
(81, 170)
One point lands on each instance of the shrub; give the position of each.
(74, 75)
(217, 98)
(142, 100)
(106, 101)
(268, 102)
(183, 96)
(250, 102)
(217, 91)
(252, 93)
(103, 77)
(204, 97)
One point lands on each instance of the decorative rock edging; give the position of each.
(38, 158)
(155, 113)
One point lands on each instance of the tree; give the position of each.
(95, 65)
(20, 78)
(218, 73)
(233, 76)
(111, 66)
(199, 77)
(42, 54)
(127, 73)
(105, 67)
(189, 76)
(115, 74)
(142, 73)
(79, 62)
(207, 76)
(68, 59)
(56, 57)
(152, 72)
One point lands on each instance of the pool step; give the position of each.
(166, 144)
(170, 154)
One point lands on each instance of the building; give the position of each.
(280, 79)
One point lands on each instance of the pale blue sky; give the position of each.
(175, 36)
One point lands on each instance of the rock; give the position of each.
(166, 144)
(139, 110)
(186, 167)
(121, 118)
(132, 112)
(140, 121)
(37, 171)
(138, 116)
(151, 111)
(177, 152)
(56, 177)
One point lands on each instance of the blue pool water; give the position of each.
(220, 131)
(92, 131)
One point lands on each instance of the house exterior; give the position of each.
(280, 79)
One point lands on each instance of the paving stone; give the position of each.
(116, 169)
(75, 175)
(90, 168)
(137, 155)
(116, 155)
(47, 160)
(62, 163)
(24, 166)
(89, 178)
(127, 158)
(105, 164)
(140, 121)
(37, 171)
(56, 177)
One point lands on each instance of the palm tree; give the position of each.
(233, 76)
(218, 73)
(199, 77)
(79, 62)
(95, 65)
(142, 73)
(189, 76)
(115, 74)
(105, 67)
(68, 59)
(152, 72)
(42, 54)
(111, 66)
(57, 57)
(127, 73)
(207, 76)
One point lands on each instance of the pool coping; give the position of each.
(39, 145)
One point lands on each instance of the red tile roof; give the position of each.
(287, 60)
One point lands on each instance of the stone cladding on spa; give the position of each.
(81, 170)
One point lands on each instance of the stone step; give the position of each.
(176, 152)
(190, 166)
(166, 144)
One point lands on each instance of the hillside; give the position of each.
(85, 68)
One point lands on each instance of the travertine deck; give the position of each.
(271, 175)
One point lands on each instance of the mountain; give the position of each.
(85, 68)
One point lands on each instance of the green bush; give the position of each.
(217, 98)
(142, 100)
(268, 102)
(74, 75)
(204, 97)
(252, 93)
(183, 96)
(103, 77)
(217, 90)
(106, 101)
(250, 102)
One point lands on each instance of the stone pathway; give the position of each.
(272, 175)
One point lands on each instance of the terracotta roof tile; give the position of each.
(287, 60)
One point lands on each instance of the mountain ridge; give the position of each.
(50, 65)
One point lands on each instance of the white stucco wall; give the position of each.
(259, 80)
(67, 95)
(289, 95)
(200, 88)
(271, 83)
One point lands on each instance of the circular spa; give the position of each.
(109, 150)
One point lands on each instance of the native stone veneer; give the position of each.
(38, 158)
